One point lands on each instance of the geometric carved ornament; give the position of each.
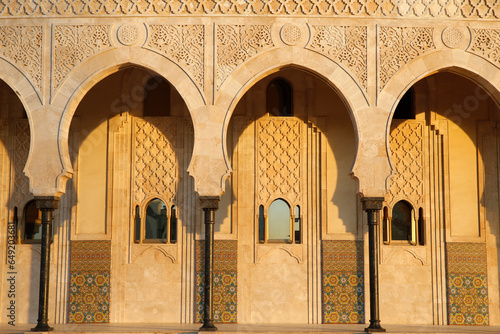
(22, 46)
(279, 160)
(183, 44)
(73, 44)
(21, 148)
(486, 43)
(475, 9)
(407, 145)
(237, 43)
(343, 45)
(156, 167)
(398, 46)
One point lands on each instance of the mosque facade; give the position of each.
(251, 162)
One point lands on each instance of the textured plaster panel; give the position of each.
(460, 105)
(148, 299)
(406, 290)
(340, 146)
(273, 300)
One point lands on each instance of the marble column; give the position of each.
(209, 204)
(47, 205)
(372, 206)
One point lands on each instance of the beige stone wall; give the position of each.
(66, 69)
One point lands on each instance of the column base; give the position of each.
(42, 327)
(374, 327)
(208, 326)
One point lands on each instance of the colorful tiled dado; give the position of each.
(343, 282)
(89, 291)
(225, 280)
(467, 283)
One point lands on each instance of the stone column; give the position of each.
(209, 204)
(372, 206)
(47, 205)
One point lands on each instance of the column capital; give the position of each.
(209, 202)
(372, 203)
(47, 202)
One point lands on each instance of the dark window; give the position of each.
(279, 98)
(137, 233)
(262, 225)
(405, 108)
(401, 222)
(297, 226)
(173, 224)
(32, 223)
(421, 227)
(156, 97)
(160, 224)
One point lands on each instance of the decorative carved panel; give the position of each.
(279, 164)
(344, 45)
(486, 43)
(183, 44)
(237, 43)
(156, 167)
(407, 145)
(73, 44)
(477, 9)
(22, 46)
(398, 46)
(20, 151)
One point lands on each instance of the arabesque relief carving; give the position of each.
(155, 171)
(21, 148)
(279, 164)
(478, 9)
(236, 44)
(486, 43)
(344, 45)
(407, 145)
(75, 43)
(183, 44)
(22, 45)
(398, 46)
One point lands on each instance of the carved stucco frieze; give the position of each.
(156, 167)
(279, 164)
(21, 148)
(486, 43)
(477, 9)
(407, 145)
(399, 45)
(73, 44)
(344, 45)
(237, 43)
(22, 46)
(183, 44)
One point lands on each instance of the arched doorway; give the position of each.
(290, 203)
(444, 153)
(133, 207)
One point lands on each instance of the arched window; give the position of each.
(401, 223)
(278, 222)
(137, 231)
(297, 226)
(173, 225)
(262, 225)
(280, 225)
(279, 98)
(156, 97)
(32, 227)
(403, 226)
(160, 223)
(31, 224)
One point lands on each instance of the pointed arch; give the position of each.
(88, 74)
